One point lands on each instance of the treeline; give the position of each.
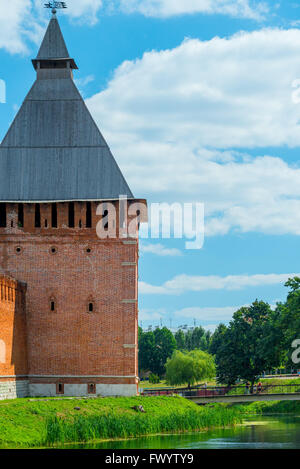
(155, 347)
(257, 339)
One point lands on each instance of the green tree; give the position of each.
(208, 336)
(217, 339)
(287, 320)
(164, 346)
(189, 367)
(198, 339)
(146, 349)
(180, 339)
(247, 346)
(188, 340)
(154, 350)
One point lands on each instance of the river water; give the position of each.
(257, 432)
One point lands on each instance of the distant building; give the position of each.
(68, 303)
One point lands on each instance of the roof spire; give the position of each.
(53, 47)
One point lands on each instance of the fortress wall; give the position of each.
(13, 340)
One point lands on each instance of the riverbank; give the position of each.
(268, 407)
(27, 423)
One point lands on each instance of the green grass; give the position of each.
(163, 384)
(25, 423)
(240, 389)
(277, 381)
(280, 381)
(269, 407)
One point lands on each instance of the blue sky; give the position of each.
(199, 101)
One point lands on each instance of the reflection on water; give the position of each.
(276, 432)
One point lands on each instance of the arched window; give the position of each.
(52, 304)
(91, 388)
(91, 305)
(60, 388)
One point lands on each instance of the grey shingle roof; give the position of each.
(53, 45)
(53, 149)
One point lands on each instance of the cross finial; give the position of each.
(55, 5)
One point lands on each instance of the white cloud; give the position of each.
(85, 10)
(152, 315)
(172, 118)
(234, 92)
(223, 314)
(19, 23)
(166, 8)
(188, 283)
(83, 81)
(159, 250)
(24, 21)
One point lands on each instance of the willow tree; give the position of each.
(189, 367)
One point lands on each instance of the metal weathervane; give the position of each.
(55, 5)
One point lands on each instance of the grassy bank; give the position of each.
(25, 423)
(269, 407)
(163, 384)
(280, 381)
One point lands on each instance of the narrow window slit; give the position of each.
(37, 222)
(88, 215)
(71, 215)
(20, 215)
(2, 215)
(54, 215)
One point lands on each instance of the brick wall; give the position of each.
(13, 347)
(65, 269)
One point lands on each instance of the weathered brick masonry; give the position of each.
(72, 269)
(13, 339)
(69, 314)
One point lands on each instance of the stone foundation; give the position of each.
(76, 389)
(14, 389)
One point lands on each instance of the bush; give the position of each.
(154, 379)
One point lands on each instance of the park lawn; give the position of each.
(269, 407)
(163, 384)
(280, 381)
(32, 423)
(276, 381)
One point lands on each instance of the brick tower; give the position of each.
(68, 306)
